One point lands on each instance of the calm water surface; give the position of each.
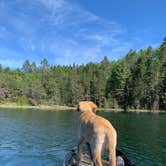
(39, 138)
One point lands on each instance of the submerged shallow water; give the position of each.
(40, 138)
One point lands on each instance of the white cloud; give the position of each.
(53, 4)
(11, 63)
(87, 35)
(10, 58)
(62, 32)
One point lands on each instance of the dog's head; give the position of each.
(86, 106)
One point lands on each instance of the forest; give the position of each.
(136, 81)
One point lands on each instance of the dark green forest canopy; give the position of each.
(136, 81)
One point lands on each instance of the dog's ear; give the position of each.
(94, 107)
(77, 108)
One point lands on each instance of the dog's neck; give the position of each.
(86, 112)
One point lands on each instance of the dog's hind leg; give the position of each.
(89, 150)
(97, 155)
(79, 147)
(90, 153)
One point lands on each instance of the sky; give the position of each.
(77, 31)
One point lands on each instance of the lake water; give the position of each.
(39, 138)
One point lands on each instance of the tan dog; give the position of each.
(96, 131)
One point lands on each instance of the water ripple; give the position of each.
(43, 138)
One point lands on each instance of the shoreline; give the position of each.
(61, 107)
(39, 107)
(131, 110)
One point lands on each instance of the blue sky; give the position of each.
(77, 31)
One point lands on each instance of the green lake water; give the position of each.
(39, 138)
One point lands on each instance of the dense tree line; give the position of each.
(136, 81)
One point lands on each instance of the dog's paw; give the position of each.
(120, 161)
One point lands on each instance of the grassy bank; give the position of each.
(131, 110)
(59, 107)
(39, 107)
(144, 110)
